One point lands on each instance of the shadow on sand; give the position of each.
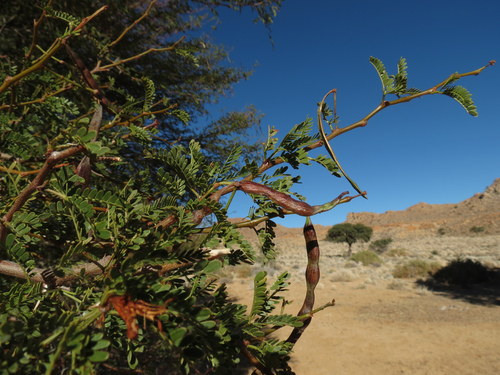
(467, 280)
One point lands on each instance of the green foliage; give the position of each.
(415, 268)
(393, 84)
(381, 245)
(397, 85)
(477, 229)
(192, 76)
(462, 96)
(367, 258)
(349, 233)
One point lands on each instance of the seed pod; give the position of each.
(312, 278)
(281, 199)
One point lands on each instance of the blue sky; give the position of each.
(429, 150)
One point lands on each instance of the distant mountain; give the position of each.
(479, 214)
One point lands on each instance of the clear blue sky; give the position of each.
(429, 150)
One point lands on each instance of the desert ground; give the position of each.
(381, 324)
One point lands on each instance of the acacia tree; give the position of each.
(107, 271)
(350, 234)
(187, 78)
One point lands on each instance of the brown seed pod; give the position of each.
(281, 199)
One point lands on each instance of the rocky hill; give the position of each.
(479, 214)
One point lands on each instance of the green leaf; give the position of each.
(204, 314)
(213, 266)
(463, 96)
(96, 148)
(260, 293)
(177, 334)
(209, 324)
(387, 82)
(99, 356)
(102, 344)
(329, 164)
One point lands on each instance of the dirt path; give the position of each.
(377, 330)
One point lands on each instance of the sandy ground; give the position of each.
(382, 325)
(376, 330)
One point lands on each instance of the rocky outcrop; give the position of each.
(479, 214)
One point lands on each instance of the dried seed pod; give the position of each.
(287, 202)
(312, 278)
(281, 199)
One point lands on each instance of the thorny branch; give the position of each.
(104, 68)
(130, 27)
(42, 60)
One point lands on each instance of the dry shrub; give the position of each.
(396, 285)
(415, 268)
(397, 252)
(367, 258)
(381, 245)
(342, 276)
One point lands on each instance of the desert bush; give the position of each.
(476, 229)
(397, 252)
(380, 245)
(342, 276)
(415, 268)
(396, 285)
(367, 258)
(462, 272)
(108, 218)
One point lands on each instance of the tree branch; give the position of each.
(135, 57)
(40, 62)
(91, 269)
(130, 27)
(36, 184)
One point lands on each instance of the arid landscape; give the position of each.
(385, 322)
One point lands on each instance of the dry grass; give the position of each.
(415, 268)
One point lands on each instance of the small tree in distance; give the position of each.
(350, 234)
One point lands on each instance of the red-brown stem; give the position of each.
(36, 184)
(253, 360)
(87, 76)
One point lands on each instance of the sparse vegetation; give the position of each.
(415, 268)
(380, 246)
(367, 258)
(342, 276)
(441, 231)
(476, 229)
(396, 252)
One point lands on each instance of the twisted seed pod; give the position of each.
(287, 202)
(281, 199)
(312, 278)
